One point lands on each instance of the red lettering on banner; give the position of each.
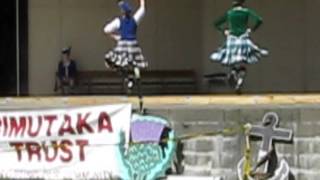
(33, 149)
(82, 124)
(5, 125)
(18, 147)
(50, 152)
(105, 122)
(32, 126)
(46, 149)
(50, 119)
(43, 126)
(66, 127)
(16, 127)
(65, 147)
(82, 144)
(30, 131)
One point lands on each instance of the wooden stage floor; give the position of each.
(155, 101)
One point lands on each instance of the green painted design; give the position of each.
(144, 157)
(148, 161)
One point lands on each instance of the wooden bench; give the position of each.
(153, 82)
(169, 81)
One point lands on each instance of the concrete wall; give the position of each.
(219, 155)
(178, 34)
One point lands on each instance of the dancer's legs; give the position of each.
(237, 75)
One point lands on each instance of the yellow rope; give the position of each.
(224, 132)
(247, 154)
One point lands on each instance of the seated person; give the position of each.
(67, 71)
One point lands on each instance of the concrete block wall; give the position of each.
(219, 155)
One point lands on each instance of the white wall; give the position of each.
(169, 36)
(179, 34)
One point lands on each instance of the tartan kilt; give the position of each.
(126, 54)
(238, 50)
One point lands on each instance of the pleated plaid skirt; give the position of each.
(126, 54)
(238, 50)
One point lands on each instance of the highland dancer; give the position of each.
(126, 57)
(238, 49)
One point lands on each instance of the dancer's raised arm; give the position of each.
(140, 12)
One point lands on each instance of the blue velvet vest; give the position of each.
(128, 28)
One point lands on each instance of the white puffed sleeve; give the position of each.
(113, 26)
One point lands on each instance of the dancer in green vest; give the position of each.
(238, 49)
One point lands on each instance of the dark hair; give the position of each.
(238, 2)
(66, 51)
(128, 14)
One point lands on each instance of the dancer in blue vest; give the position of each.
(127, 56)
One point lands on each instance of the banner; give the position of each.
(73, 143)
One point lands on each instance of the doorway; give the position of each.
(13, 47)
